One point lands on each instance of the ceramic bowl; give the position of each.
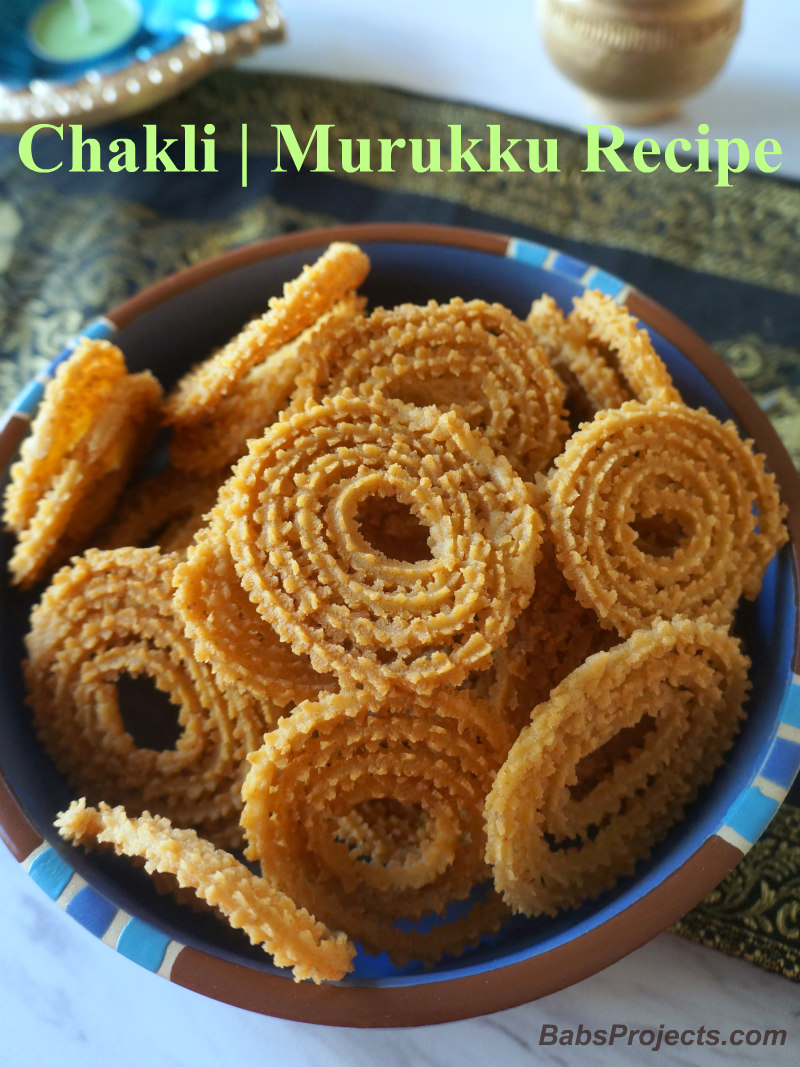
(167, 327)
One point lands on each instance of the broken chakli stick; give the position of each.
(442, 603)
(266, 915)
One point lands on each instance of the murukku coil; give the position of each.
(227, 632)
(266, 915)
(110, 615)
(367, 813)
(471, 356)
(625, 345)
(592, 384)
(696, 478)
(338, 271)
(292, 505)
(94, 423)
(556, 839)
(72, 399)
(602, 354)
(216, 440)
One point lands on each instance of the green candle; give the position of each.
(68, 31)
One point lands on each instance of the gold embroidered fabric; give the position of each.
(749, 233)
(770, 372)
(755, 913)
(725, 259)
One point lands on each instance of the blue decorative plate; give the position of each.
(94, 60)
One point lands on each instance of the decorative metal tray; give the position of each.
(172, 43)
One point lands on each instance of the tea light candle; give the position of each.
(69, 31)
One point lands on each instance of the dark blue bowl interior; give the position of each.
(173, 335)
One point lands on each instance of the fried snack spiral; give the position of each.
(592, 384)
(625, 345)
(93, 424)
(367, 812)
(219, 438)
(269, 918)
(338, 271)
(227, 632)
(476, 358)
(565, 818)
(108, 615)
(702, 486)
(293, 507)
(600, 353)
(72, 399)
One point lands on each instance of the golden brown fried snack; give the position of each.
(227, 632)
(628, 348)
(476, 358)
(703, 484)
(109, 616)
(72, 399)
(600, 352)
(269, 918)
(94, 423)
(338, 271)
(563, 824)
(366, 813)
(293, 506)
(375, 548)
(592, 382)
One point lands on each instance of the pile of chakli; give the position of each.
(443, 599)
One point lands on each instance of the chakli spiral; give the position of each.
(111, 614)
(293, 507)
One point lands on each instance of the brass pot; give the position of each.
(636, 60)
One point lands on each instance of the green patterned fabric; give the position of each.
(724, 260)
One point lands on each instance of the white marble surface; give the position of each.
(490, 53)
(68, 1000)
